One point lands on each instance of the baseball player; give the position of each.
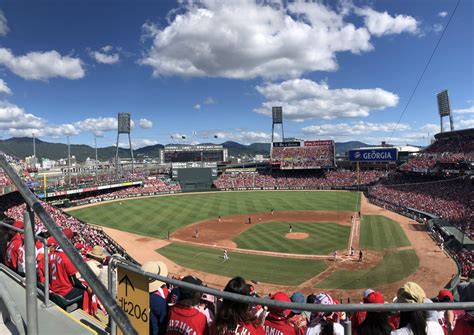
(197, 233)
(360, 255)
(271, 211)
(250, 220)
(226, 255)
(290, 228)
(335, 255)
(219, 219)
(352, 251)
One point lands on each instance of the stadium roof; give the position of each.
(462, 132)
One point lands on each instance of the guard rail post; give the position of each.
(112, 291)
(30, 273)
(347, 326)
(46, 275)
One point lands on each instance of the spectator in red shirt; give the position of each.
(15, 258)
(235, 317)
(62, 273)
(184, 318)
(465, 324)
(375, 323)
(277, 322)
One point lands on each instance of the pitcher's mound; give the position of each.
(296, 236)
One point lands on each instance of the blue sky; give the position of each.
(341, 70)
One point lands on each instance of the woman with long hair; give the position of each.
(234, 317)
(414, 322)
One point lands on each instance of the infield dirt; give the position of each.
(436, 269)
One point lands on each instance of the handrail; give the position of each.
(10, 305)
(291, 305)
(114, 310)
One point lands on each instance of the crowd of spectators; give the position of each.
(448, 150)
(303, 157)
(4, 180)
(303, 180)
(175, 308)
(85, 234)
(451, 199)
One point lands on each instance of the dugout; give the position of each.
(195, 179)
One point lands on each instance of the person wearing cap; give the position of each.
(446, 318)
(277, 322)
(184, 318)
(158, 298)
(324, 322)
(359, 316)
(15, 254)
(297, 318)
(234, 317)
(414, 322)
(465, 324)
(375, 323)
(207, 306)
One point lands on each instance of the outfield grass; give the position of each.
(324, 237)
(394, 267)
(379, 233)
(265, 269)
(158, 215)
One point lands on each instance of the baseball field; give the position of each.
(297, 239)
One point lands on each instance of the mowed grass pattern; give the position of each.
(324, 237)
(158, 215)
(265, 269)
(394, 267)
(379, 233)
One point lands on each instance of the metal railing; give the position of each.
(12, 310)
(390, 307)
(35, 207)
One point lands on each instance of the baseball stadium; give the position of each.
(264, 167)
(300, 222)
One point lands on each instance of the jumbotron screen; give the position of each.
(299, 155)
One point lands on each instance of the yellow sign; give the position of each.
(134, 299)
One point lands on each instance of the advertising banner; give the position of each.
(286, 144)
(373, 155)
(318, 143)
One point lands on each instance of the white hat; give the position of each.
(158, 268)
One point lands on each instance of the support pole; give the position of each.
(116, 155)
(46, 276)
(68, 160)
(30, 273)
(131, 150)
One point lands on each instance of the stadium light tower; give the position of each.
(444, 108)
(277, 118)
(68, 160)
(123, 128)
(34, 146)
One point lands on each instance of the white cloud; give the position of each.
(467, 110)
(197, 106)
(4, 89)
(305, 99)
(138, 143)
(3, 24)
(42, 65)
(210, 101)
(249, 39)
(239, 135)
(437, 27)
(352, 128)
(145, 123)
(443, 14)
(464, 124)
(380, 24)
(105, 55)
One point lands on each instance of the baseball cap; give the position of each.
(443, 294)
(158, 268)
(19, 225)
(280, 296)
(299, 298)
(186, 293)
(366, 293)
(410, 292)
(51, 241)
(375, 298)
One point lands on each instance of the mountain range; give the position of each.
(22, 147)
